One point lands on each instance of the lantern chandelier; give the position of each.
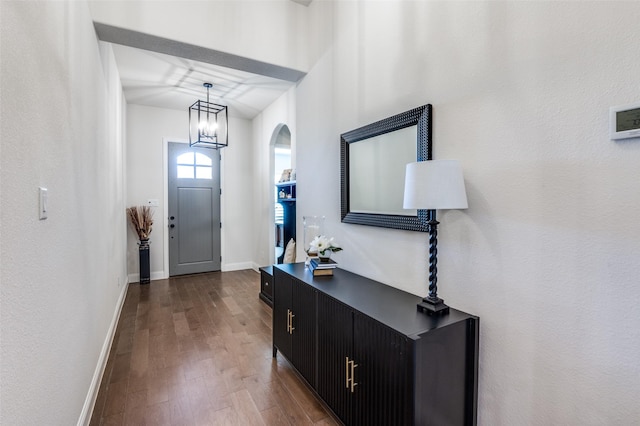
(208, 124)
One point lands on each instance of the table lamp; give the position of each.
(434, 185)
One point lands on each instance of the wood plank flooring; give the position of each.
(197, 350)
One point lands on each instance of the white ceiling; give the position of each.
(165, 81)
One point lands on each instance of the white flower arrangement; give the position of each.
(324, 246)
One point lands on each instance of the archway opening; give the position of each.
(283, 208)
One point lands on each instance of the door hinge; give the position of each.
(220, 225)
(220, 191)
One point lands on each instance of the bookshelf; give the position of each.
(286, 197)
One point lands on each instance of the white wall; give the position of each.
(62, 279)
(147, 131)
(146, 128)
(282, 111)
(237, 208)
(547, 253)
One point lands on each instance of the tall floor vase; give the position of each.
(145, 264)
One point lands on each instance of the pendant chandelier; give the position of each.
(208, 124)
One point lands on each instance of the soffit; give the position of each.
(167, 74)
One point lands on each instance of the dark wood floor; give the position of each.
(197, 350)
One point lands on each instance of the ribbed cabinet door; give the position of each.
(281, 308)
(303, 337)
(335, 337)
(384, 389)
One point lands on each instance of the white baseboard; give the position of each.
(156, 275)
(226, 267)
(90, 400)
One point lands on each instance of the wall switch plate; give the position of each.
(153, 202)
(43, 203)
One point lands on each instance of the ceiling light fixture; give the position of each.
(208, 123)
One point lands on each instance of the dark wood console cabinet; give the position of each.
(370, 355)
(266, 285)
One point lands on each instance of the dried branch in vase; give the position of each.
(141, 218)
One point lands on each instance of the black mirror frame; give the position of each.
(421, 117)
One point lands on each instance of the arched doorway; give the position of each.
(283, 208)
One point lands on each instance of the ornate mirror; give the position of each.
(373, 160)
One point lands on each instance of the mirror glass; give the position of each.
(373, 161)
(376, 172)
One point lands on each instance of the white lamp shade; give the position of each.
(434, 184)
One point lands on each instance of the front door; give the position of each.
(194, 209)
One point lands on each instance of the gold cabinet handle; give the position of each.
(353, 382)
(290, 316)
(347, 372)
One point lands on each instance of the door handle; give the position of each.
(172, 217)
(172, 226)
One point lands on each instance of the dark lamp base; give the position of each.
(433, 306)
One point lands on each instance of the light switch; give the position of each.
(153, 202)
(43, 203)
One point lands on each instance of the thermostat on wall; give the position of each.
(624, 121)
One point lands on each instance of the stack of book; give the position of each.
(319, 268)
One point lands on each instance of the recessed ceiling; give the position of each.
(160, 80)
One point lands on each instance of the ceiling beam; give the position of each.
(117, 35)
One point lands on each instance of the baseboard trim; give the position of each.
(92, 395)
(227, 267)
(256, 267)
(157, 275)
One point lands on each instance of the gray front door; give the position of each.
(194, 209)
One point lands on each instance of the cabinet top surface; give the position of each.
(395, 308)
(267, 269)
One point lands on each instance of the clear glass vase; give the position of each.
(312, 227)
